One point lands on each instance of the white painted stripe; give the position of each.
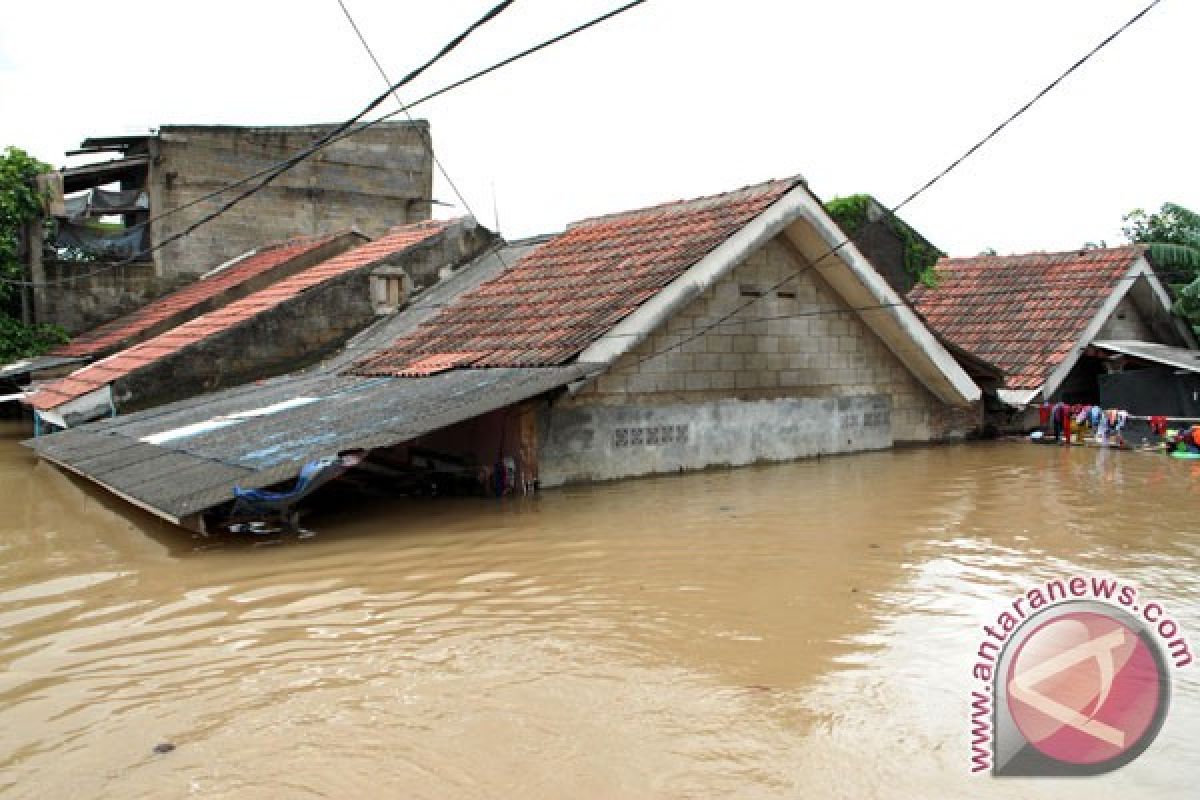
(225, 420)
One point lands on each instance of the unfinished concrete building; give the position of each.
(369, 182)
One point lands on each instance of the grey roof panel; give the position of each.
(1179, 357)
(207, 448)
(27, 365)
(186, 457)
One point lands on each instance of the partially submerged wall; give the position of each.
(793, 375)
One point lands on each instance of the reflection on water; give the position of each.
(796, 630)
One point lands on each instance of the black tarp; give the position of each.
(1154, 391)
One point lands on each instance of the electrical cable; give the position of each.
(421, 131)
(346, 133)
(283, 166)
(935, 179)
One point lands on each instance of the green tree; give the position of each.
(19, 203)
(1173, 236)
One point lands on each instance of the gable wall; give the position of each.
(1127, 322)
(791, 378)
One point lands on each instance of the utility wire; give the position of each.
(273, 172)
(421, 131)
(344, 134)
(297, 158)
(928, 184)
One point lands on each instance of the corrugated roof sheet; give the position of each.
(36, 363)
(1022, 313)
(94, 376)
(1180, 357)
(568, 292)
(234, 438)
(111, 335)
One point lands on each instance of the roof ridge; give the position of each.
(1081, 252)
(675, 204)
(423, 223)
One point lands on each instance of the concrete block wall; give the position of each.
(102, 294)
(1127, 322)
(768, 382)
(371, 181)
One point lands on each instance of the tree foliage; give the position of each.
(1171, 224)
(19, 203)
(1173, 237)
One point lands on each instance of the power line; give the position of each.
(297, 158)
(932, 181)
(346, 133)
(283, 166)
(421, 131)
(1020, 111)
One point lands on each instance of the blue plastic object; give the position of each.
(312, 475)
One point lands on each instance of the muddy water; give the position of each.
(803, 630)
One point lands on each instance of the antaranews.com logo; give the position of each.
(1074, 679)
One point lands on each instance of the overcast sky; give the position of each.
(675, 99)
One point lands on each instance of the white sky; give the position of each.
(675, 99)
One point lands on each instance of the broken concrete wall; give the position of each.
(371, 181)
(795, 374)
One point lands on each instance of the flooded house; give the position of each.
(722, 331)
(1081, 326)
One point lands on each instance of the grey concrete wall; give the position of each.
(785, 378)
(81, 303)
(1127, 322)
(605, 442)
(371, 181)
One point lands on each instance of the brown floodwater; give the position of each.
(801, 630)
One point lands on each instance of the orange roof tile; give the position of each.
(1022, 313)
(568, 292)
(112, 334)
(95, 376)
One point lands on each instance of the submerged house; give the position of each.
(726, 330)
(1053, 322)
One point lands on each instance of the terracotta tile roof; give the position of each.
(1022, 313)
(113, 334)
(568, 292)
(97, 375)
